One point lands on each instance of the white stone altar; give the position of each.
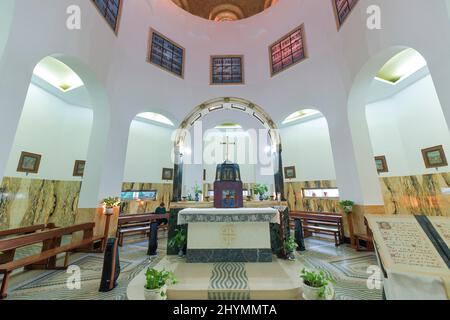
(228, 235)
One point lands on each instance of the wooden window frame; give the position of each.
(149, 53)
(119, 15)
(339, 24)
(305, 50)
(211, 82)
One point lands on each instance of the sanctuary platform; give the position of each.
(226, 281)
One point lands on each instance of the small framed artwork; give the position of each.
(78, 169)
(204, 174)
(289, 173)
(29, 162)
(381, 164)
(167, 174)
(434, 157)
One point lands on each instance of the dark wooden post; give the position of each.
(350, 228)
(178, 175)
(279, 178)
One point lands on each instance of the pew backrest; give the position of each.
(39, 237)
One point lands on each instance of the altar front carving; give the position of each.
(228, 235)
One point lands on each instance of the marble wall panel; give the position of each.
(417, 194)
(25, 202)
(294, 196)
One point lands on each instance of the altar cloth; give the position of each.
(205, 215)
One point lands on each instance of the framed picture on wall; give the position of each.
(78, 169)
(204, 174)
(381, 164)
(289, 173)
(167, 174)
(434, 157)
(29, 162)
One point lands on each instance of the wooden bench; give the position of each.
(25, 230)
(137, 224)
(51, 247)
(321, 222)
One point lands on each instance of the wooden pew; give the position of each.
(25, 230)
(51, 247)
(321, 222)
(137, 224)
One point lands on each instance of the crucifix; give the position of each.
(228, 143)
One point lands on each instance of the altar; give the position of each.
(228, 235)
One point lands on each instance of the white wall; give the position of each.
(307, 146)
(149, 151)
(54, 129)
(401, 126)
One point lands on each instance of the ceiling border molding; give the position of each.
(251, 109)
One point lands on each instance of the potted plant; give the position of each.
(290, 246)
(315, 284)
(156, 283)
(110, 203)
(179, 241)
(197, 192)
(261, 189)
(347, 205)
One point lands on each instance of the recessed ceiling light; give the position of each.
(156, 117)
(57, 74)
(306, 113)
(401, 66)
(228, 126)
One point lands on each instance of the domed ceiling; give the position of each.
(224, 10)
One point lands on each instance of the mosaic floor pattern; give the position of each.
(343, 264)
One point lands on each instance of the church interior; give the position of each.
(224, 150)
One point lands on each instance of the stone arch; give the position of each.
(215, 105)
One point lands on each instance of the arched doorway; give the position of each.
(239, 107)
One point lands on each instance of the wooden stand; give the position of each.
(106, 234)
(350, 229)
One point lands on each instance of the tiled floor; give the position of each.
(343, 264)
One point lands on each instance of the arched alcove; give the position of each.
(394, 96)
(63, 125)
(308, 156)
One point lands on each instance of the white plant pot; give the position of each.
(155, 294)
(109, 210)
(348, 209)
(310, 293)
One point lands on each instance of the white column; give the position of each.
(440, 73)
(15, 78)
(105, 163)
(356, 173)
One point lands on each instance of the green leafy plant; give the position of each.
(158, 279)
(290, 245)
(111, 202)
(346, 205)
(179, 240)
(316, 280)
(261, 189)
(197, 189)
(190, 197)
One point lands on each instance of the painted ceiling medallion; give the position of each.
(224, 10)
